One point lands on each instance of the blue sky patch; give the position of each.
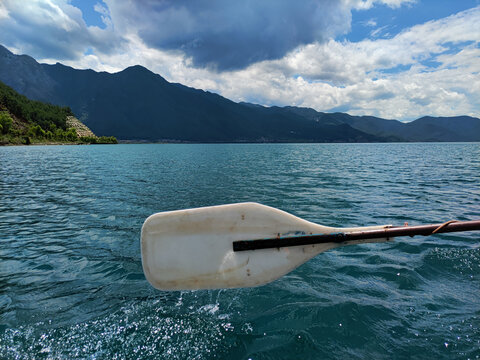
(90, 16)
(391, 21)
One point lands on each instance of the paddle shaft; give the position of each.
(424, 230)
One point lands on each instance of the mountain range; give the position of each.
(137, 104)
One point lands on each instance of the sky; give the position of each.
(396, 59)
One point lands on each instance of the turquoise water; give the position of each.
(71, 281)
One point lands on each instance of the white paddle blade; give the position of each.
(193, 249)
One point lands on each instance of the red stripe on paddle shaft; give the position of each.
(425, 230)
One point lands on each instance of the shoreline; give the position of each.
(164, 142)
(54, 143)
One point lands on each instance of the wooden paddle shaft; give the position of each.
(424, 230)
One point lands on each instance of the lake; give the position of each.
(71, 280)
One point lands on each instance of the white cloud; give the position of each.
(105, 14)
(367, 4)
(378, 31)
(53, 28)
(3, 11)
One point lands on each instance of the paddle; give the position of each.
(247, 244)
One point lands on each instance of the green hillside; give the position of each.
(25, 121)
